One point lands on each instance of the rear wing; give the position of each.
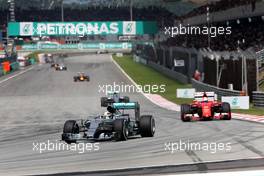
(198, 96)
(130, 105)
(112, 92)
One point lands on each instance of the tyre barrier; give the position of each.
(6, 67)
(258, 99)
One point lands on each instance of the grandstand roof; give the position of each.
(178, 7)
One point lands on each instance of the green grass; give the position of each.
(252, 110)
(144, 75)
(262, 88)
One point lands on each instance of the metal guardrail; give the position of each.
(170, 73)
(261, 82)
(258, 99)
(199, 86)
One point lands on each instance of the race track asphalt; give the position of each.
(35, 105)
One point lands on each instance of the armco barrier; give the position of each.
(170, 73)
(199, 86)
(258, 99)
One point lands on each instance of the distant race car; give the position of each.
(60, 67)
(114, 124)
(81, 77)
(205, 107)
(113, 97)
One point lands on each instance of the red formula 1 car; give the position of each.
(205, 107)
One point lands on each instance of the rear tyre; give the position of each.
(75, 79)
(147, 126)
(185, 109)
(126, 99)
(226, 109)
(104, 102)
(71, 126)
(120, 129)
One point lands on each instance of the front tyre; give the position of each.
(120, 129)
(71, 127)
(226, 109)
(185, 109)
(147, 126)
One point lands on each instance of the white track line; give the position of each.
(234, 173)
(15, 75)
(118, 66)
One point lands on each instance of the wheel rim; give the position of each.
(125, 130)
(153, 125)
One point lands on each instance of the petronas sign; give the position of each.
(81, 28)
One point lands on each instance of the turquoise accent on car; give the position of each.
(130, 105)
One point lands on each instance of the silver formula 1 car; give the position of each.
(114, 124)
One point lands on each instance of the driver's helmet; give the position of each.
(205, 98)
(107, 115)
